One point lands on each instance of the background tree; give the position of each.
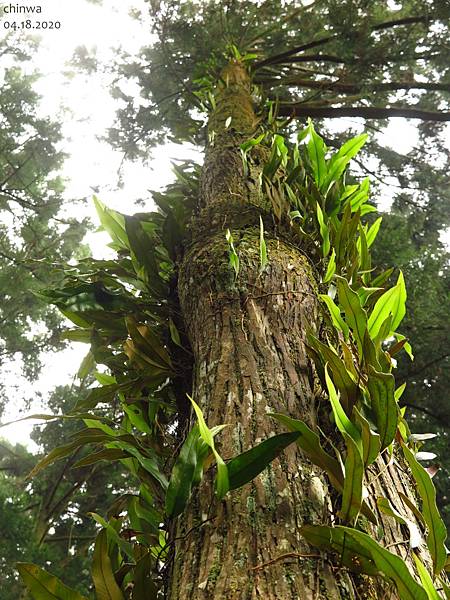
(47, 520)
(34, 233)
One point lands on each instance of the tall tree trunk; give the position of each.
(248, 338)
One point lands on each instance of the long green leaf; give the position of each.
(262, 246)
(382, 395)
(370, 440)
(181, 480)
(335, 314)
(113, 536)
(222, 483)
(355, 314)
(340, 159)
(248, 465)
(391, 303)
(316, 151)
(309, 442)
(324, 232)
(347, 387)
(144, 587)
(353, 482)
(386, 507)
(369, 554)
(343, 423)
(54, 455)
(108, 454)
(44, 586)
(113, 222)
(426, 580)
(331, 267)
(106, 587)
(352, 555)
(373, 231)
(437, 532)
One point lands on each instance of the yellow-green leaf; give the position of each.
(106, 587)
(426, 580)
(44, 586)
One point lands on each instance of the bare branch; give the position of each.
(366, 112)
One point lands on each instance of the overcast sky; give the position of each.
(84, 107)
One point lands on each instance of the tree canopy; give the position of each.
(34, 234)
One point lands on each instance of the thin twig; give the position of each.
(282, 557)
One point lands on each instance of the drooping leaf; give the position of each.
(106, 587)
(351, 554)
(181, 480)
(246, 466)
(107, 454)
(437, 532)
(309, 442)
(347, 387)
(415, 536)
(368, 552)
(44, 586)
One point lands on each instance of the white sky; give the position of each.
(88, 112)
(84, 106)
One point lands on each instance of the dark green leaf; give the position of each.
(182, 478)
(382, 388)
(248, 465)
(353, 482)
(144, 587)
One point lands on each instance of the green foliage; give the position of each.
(125, 308)
(44, 586)
(33, 234)
(358, 549)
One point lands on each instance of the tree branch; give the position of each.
(386, 25)
(354, 88)
(366, 112)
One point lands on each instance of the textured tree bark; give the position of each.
(248, 338)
